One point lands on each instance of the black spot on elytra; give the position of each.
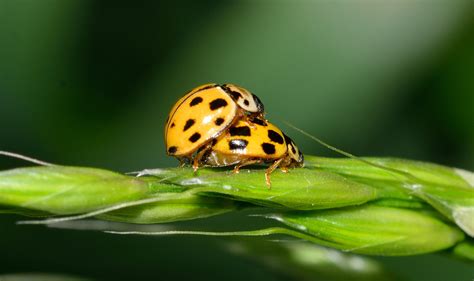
(172, 149)
(195, 137)
(219, 121)
(239, 131)
(238, 144)
(188, 124)
(217, 103)
(259, 122)
(172, 125)
(268, 148)
(275, 137)
(196, 100)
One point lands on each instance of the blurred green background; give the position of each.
(91, 82)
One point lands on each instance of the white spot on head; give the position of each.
(227, 187)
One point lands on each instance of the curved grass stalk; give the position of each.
(345, 204)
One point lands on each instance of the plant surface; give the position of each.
(372, 206)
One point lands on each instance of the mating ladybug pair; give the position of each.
(223, 125)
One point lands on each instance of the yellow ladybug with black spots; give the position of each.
(254, 141)
(205, 113)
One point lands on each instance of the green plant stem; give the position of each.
(407, 208)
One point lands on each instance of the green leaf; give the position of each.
(449, 190)
(67, 190)
(184, 208)
(301, 189)
(465, 250)
(375, 230)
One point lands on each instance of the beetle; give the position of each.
(203, 114)
(254, 141)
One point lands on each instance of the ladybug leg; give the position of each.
(182, 162)
(285, 164)
(250, 123)
(199, 155)
(270, 170)
(245, 162)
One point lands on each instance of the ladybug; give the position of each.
(254, 141)
(202, 115)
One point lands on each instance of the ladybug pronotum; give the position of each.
(252, 142)
(202, 115)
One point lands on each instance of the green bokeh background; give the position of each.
(91, 82)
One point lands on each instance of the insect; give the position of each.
(202, 115)
(252, 142)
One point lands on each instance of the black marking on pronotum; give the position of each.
(188, 124)
(268, 148)
(195, 137)
(246, 102)
(275, 137)
(217, 103)
(259, 103)
(219, 121)
(293, 149)
(234, 94)
(239, 131)
(290, 143)
(172, 149)
(238, 144)
(196, 100)
(259, 122)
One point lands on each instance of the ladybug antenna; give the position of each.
(350, 155)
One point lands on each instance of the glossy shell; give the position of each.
(244, 99)
(201, 115)
(246, 140)
(293, 152)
